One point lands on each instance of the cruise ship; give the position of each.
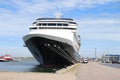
(54, 41)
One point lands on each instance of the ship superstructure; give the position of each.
(54, 41)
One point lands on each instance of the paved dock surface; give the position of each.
(96, 71)
(90, 71)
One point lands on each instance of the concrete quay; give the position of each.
(97, 71)
(90, 71)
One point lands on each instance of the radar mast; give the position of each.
(58, 15)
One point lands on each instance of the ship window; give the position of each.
(51, 24)
(72, 22)
(34, 22)
(59, 24)
(33, 28)
(65, 24)
(39, 24)
(44, 24)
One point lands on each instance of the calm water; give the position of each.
(24, 66)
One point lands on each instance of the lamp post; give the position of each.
(95, 55)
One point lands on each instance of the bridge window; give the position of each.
(39, 24)
(51, 24)
(33, 28)
(65, 24)
(59, 24)
(44, 24)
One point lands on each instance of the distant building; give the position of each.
(111, 58)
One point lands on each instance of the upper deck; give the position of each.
(67, 19)
(54, 23)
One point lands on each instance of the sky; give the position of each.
(98, 23)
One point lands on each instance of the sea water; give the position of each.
(25, 66)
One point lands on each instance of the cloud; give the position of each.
(17, 15)
(26, 7)
(22, 13)
(100, 29)
(12, 24)
(103, 36)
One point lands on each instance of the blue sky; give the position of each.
(98, 23)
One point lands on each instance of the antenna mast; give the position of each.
(58, 13)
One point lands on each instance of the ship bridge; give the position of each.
(54, 23)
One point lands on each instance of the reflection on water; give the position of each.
(25, 66)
